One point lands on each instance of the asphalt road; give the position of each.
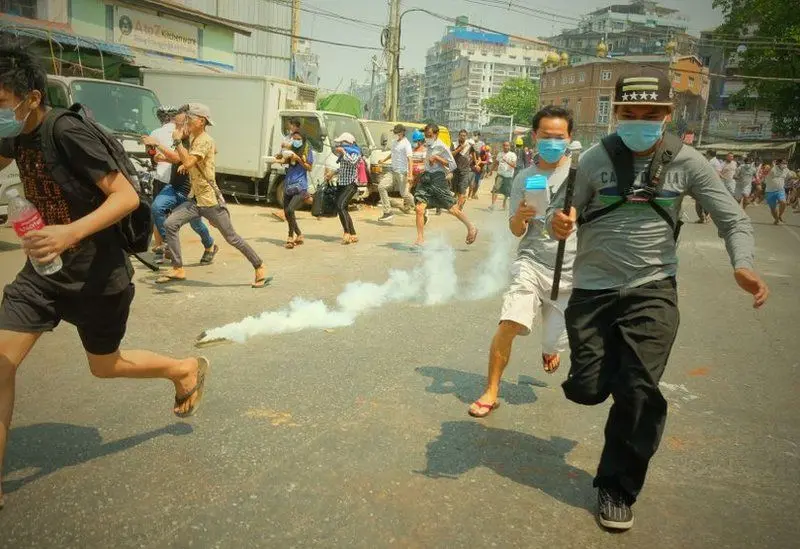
(359, 437)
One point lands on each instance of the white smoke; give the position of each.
(433, 282)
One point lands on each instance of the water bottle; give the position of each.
(24, 217)
(536, 194)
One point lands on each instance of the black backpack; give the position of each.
(135, 229)
(622, 159)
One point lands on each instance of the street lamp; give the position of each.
(396, 60)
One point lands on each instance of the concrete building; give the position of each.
(727, 119)
(467, 66)
(412, 97)
(112, 39)
(641, 27)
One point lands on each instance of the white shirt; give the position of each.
(728, 170)
(716, 164)
(164, 136)
(776, 179)
(506, 163)
(401, 152)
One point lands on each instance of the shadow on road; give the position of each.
(48, 447)
(323, 238)
(525, 459)
(467, 387)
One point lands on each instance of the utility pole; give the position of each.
(392, 51)
(372, 87)
(295, 25)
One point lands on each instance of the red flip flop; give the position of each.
(483, 406)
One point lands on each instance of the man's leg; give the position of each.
(198, 226)
(781, 210)
(220, 218)
(499, 354)
(420, 211)
(14, 347)
(166, 201)
(385, 183)
(554, 331)
(179, 217)
(472, 230)
(646, 326)
(400, 180)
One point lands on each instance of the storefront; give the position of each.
(113, 40)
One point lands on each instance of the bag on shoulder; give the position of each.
(362, 177)
(135, 229)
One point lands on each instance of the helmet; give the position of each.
(518, 142)
(417, 136)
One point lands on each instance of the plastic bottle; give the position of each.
(536, 194)
(24, 217)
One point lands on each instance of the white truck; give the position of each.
(251, 116)
(126, 110)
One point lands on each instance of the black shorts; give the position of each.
(462, 179)
(100, 319)
(503, 185)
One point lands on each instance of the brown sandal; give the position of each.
(550, 363)
(485, 409)
(289, 244)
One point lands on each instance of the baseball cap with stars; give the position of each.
(646, 86)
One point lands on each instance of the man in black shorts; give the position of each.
(463, 176)
(93, 289)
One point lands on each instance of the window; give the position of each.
(57, 96)
(578, 111)
(582, 77)
(563, 79)
(20, 8)
(605, 75)
(571, 78)
(310, 127)
(676, 79)
(603, 109)
(691, 81)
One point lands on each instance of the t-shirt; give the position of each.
(506, 162)
(418, 159)
(180, 181)
(776, 179)
(716, 164)
(536, 245)
(202, 176)
(297, 173)
(439, 149)
(633, 245)
(745, 174)
(464, 156)
(728, 171)
(401, 152)
(96, 265)
(164, 136)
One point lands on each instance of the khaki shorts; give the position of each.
(528, 296)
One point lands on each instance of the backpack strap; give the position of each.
(622, 160)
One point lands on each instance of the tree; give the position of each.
(517, 97)
(778, 22)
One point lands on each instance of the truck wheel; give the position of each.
(279, 193)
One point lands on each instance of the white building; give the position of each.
(467, 66)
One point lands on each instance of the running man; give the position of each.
(463, 176)
(433, 191)
(205, 198)
(775, 190)
(745, 174)
(94, 289)
(532, 272)
(622, 317)
(399, 178)
(506, 167)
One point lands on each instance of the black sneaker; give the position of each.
(613, 510)
(386, 217)
(208, 255)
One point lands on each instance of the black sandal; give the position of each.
(203, 366)
(208, 255)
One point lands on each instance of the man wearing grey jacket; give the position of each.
(622, 316)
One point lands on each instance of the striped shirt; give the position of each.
(441, 150)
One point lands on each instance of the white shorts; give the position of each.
(742, 190)
(529, 296)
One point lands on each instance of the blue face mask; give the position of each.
(551, 150)
(640, 135)
(9, 125)
(297, 143)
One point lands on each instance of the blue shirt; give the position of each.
(297, 175)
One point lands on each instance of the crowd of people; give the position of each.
(617, 310)
(754, 181)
